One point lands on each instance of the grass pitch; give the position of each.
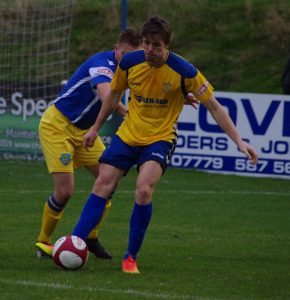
(211, 237)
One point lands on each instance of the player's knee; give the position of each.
(144, 192)
(63, 195)
(104, 186)
(103, 180)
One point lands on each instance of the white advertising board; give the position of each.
(262, 119)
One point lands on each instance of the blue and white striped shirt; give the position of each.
(79, 100)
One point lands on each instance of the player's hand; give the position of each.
(191, 100)
(249, 151)
(89, 138)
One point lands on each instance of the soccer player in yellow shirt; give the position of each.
(159, 83)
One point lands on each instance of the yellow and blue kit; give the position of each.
(157, 96)
(148, 132)
(64, 124)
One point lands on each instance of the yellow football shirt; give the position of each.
(157, 96)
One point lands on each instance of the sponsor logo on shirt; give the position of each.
(151, 100)
(202, 89)
(101, 71)
(111, 63)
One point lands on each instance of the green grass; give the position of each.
(211, 237)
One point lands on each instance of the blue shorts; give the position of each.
(123, 156)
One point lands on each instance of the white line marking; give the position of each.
(94, 290)
(159, 192)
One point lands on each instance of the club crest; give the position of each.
(167, 87)
(65, 158)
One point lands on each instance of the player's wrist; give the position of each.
(94, 130)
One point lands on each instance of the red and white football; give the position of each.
(70, 252)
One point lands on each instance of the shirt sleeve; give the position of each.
(119, 81)
(100, 75)
(199, 87)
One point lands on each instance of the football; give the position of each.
(70, 252)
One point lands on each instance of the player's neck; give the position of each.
(160, 62)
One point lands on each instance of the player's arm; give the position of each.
(226, 124)
(109, 104)
(191, 100)
(121, 109)
(103, 90)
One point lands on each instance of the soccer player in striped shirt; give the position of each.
(62, 129)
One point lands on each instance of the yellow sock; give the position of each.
(94, 233)
(52, 213)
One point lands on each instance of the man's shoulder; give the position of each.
(181, 66)
(102, 58)
(101, 62)
(131, 59)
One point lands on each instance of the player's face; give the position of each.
(155, 49)
(121, 49)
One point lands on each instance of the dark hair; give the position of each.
(131, 37)
(156, 25)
